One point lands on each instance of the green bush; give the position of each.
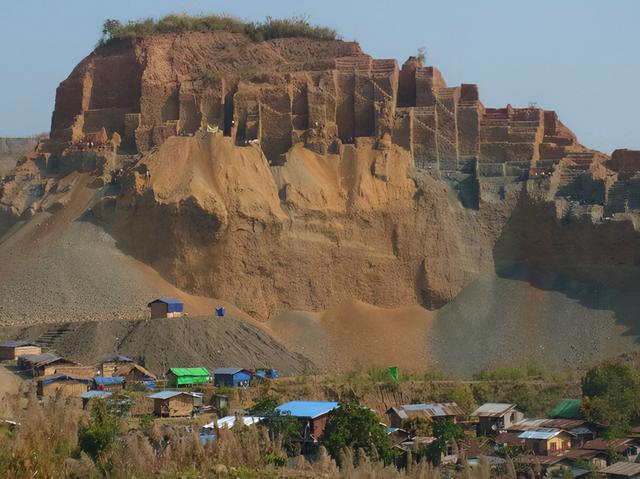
(98, 434)
(270, 29)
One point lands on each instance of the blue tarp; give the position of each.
(102, 381)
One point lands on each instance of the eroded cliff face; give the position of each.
(295, 174)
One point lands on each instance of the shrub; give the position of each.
(270, 29)
(98, 434)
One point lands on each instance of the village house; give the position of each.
(108, 364)
(10, 350)
(400, 416)
(494, 418)
(581, 430)
(622, 470)
(88, 397)
(232, 377)
(625, 447)
(45, 364)
(177, 377)
(166, 308)
(113, 383)
(62, 385)
(313, 416)
(172, 403)
(545, 441)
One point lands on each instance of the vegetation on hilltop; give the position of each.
(180, 23)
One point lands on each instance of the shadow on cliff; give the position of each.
(593, 264)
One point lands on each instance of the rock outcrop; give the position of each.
(297, 173)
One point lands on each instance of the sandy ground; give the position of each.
(355, 335)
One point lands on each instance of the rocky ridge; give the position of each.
(297, 173)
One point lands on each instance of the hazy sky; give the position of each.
(580, 58)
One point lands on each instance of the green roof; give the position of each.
(186, 376)
(567, 409)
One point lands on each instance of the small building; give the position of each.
(113, 383)
(313, 416)
(108, 364)
(172, 403)
(45, 364)
(494, 418)
(399, 416)
(545, 441)
(166, 308)
(62, 384)
(10, 350)
(135, 374)
(622, 470)
(232, 377)
(177, 377)
(88, 396)
(626, 447)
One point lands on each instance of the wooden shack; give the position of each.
(108, 364)
(166, 308)
(10, 350)
(45, 364)
(62, 385)
(312, 415)
(172, 403)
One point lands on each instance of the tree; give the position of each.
(612, 396)
(356, 427)
(110, 28)
(98, 434)
(280, 425)
(445, 432)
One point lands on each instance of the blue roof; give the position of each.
(540, 434)
(109, 381)
(229, 370)
(95, 394)
(310, 409)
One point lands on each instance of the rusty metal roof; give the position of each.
(493, 409)
(619, 445)
(629, 469)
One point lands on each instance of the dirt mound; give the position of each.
(178, 342)
(527, 316)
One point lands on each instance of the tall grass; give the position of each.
(270, 29)
(45, 445)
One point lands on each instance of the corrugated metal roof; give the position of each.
(190, 371)
(229, 370)
(493, 409)
(116, 358)
(42, 359)
(622, 469)
(109, 381)
(540, 434)
(310, 409)
(95, 394)
(619, 445)
(230, 421)
(17, 343)
(433, 409)
(165, 394)
(63, 377)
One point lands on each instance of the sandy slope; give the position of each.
(355, 335)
